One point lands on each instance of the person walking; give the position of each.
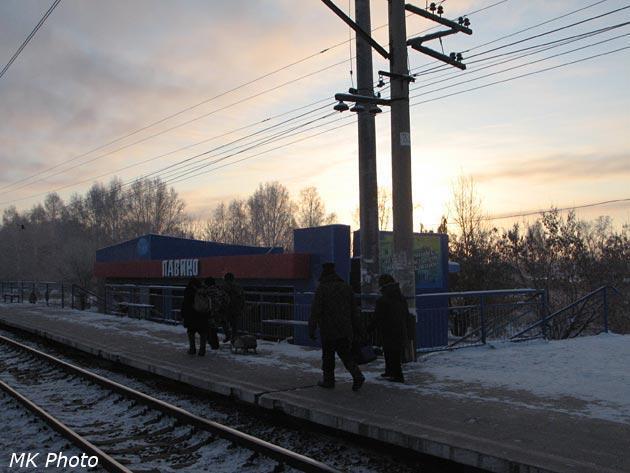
(217, 315)
(195, 321)
(332, 311)
(235, 306)
(390, 319)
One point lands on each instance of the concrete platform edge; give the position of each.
(420, 442)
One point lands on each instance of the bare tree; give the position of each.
(311, 210)
(154, 208)
(467, 213)
(238, 229)
(384, 208)
(271, 215)
(216, 226)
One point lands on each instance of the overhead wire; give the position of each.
(183, 178)
(513, 67)
(29, 37)
(411, 105)
(523, 30)
(180, 112)
(473, 89)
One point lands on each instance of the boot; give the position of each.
(397, 379)
(191, 344)
(357, 379)
(328, 382)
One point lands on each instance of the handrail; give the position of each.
(546, 319)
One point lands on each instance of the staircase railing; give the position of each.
(574, 319)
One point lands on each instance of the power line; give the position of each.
(509, 79)
(413, 104)
(552, 31)
(29, 37)
(528, 28)
(180, 125)
(565, 15)
(520, 65)
(202, 116)
(162, 120)
(92, 178)
(563, 209)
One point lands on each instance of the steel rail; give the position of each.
(86, 447)
(268, 449)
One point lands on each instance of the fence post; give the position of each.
(22, 292)
(62, 296)
(543, 312)
(605, 295)
(72, 297)
(483, 320)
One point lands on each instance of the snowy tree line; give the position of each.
(57, 240)
(566, 256)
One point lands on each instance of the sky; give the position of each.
(97, 72)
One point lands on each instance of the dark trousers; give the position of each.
(203, 335)
(230, 327)
(213, 338)
(342, 348)
(393, 361)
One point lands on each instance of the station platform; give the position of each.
(495, 428)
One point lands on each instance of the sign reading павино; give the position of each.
(180, 268)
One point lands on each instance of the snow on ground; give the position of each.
(586, 376)
(594, 369)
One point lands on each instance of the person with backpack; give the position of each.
(333, 312)
(390, 319)
(194, 318)
(235, 306)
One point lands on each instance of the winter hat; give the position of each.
(385, 280)
(327, 269)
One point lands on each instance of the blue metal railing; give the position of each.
(460, 319)
(574, 319)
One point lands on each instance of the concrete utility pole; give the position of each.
(368, 187)
(403, 262)
(402, 201)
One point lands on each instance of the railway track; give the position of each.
(129, 430)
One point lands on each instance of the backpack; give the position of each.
(219, 301)
(202, 302)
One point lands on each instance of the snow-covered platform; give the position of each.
(529, 407)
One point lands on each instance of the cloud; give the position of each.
(560, 167)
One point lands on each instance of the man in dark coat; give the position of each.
(195, 322)
(333, 311)
(390, 318)
(218, 298)
(235, 306)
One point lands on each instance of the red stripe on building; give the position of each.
(272, 266)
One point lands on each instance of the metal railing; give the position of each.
(50, 293)
(586, 316)
(445, 320)
(459, 319)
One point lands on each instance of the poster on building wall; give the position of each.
(427, 254)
